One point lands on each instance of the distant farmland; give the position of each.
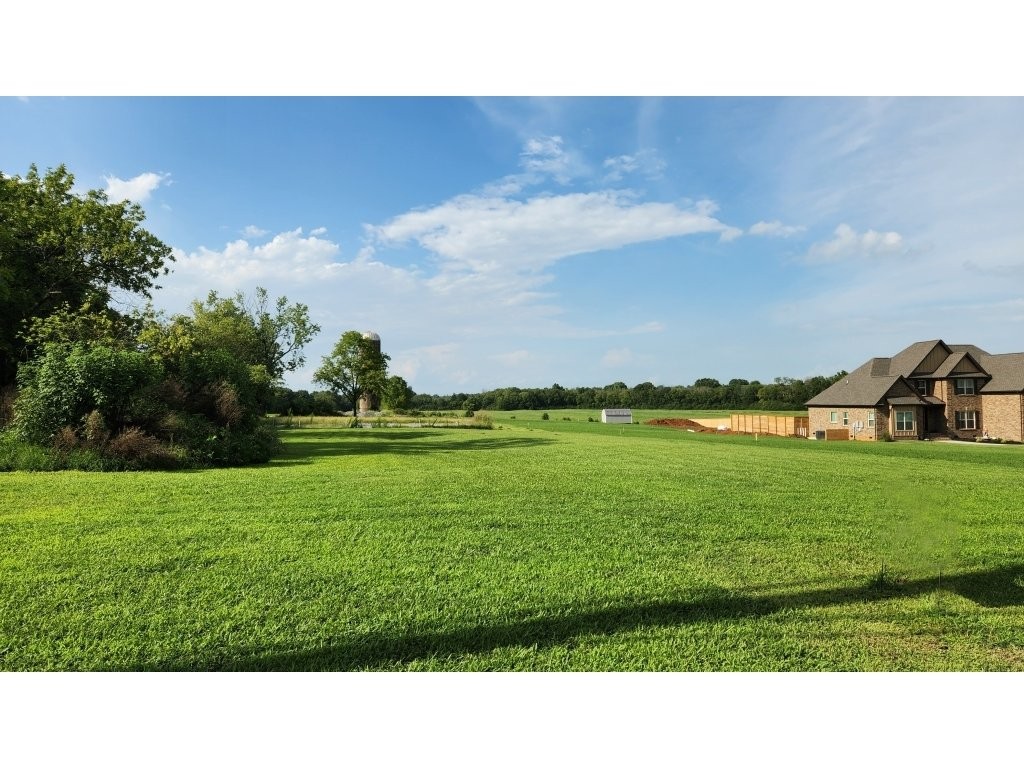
(557, 544)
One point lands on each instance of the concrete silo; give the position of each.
(370, 401)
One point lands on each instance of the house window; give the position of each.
(922, 386)
(871, 419)
(966, 419)
(833, 417)
(904, 421)
(965, 386)
(846, 418)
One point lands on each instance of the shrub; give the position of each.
(229, 410)
(19, 454)
(544, 416)
(256, 445)
(95, 430)
(134, 449)
(67, 381)
(65, 441)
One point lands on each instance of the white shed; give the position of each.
(617, 416)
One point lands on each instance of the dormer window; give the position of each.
(922, 386)
(965, 386)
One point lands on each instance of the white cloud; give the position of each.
(545, 155)
(319, 231)
(409, 363)
(494, 234)
(253, 231)
(137, 189)
(775, 229)
(288, 258)
(646, 161)
(847, 243)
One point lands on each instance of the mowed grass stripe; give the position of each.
(540, 545)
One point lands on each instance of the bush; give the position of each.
(18, 454)
(68, 381)
(65, 441)
(544, 416)
(134, 449)
(94, 428)
(96, 407)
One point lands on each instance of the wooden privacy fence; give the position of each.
(763, 424)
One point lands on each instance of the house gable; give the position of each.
(920, 358)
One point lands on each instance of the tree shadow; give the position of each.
(356, 442)
(996, 588)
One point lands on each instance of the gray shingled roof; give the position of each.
(860, 388)
(903, 400)
(882, 378)
(976, 352)
(1007, 373)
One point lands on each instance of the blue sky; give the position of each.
(527, 241)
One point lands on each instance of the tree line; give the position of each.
(783, 394)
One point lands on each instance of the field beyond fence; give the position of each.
(766, 424)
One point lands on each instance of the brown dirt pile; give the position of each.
(686, 424)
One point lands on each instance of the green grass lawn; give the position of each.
(539, 545)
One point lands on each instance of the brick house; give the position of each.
(930, 388)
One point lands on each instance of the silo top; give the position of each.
(371, 336)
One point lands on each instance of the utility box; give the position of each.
(617, 416)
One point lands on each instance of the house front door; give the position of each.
(935, 419)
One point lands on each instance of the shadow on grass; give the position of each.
(997, 588)
(307, 448)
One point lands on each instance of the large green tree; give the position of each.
(354, 368)
(246, 327)
(257, 334)
(397, 394)
(61, 250)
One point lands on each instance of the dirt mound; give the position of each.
(687, 424)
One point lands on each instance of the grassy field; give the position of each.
(538, 545)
